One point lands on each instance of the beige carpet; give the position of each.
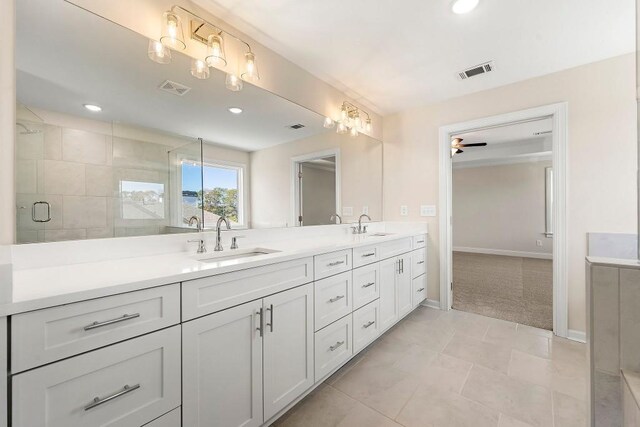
(510, 288)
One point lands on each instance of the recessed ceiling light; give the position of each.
(93, 108)
(235, 110)
(464, 6)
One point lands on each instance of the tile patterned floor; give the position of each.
(453, 369)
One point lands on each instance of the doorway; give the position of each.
(557, 115)
(316, 188)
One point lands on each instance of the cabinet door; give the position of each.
(222, 368)
(403, 285)
(388, 294)
(419, 286)
(288, 347)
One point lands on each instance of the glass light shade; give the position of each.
(172, 34)
(353, 132)
(216, 57)
(342, 129)
(368, 126)
(357, 122)
(344, 114)
(158, 52)
(329, 123)
(199, 69)
(250, 68)
(233, 83)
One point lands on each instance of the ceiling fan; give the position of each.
(457, 145)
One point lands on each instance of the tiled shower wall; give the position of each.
(79, 173)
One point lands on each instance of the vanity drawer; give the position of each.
(333, 299)
(126, 384)
(333, 346)
(365, 255)
(395, 247)
(171, 419)
(419, 290)
(44, 336)
(366, 326)
(215, 293)
(419, 241)
(366, 285)
(418, 262)
(326, 265)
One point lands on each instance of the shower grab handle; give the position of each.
(33, 211)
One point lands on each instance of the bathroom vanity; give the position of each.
(183, 339)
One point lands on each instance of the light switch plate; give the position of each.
(347, 211)
(427, 210)
(404, 210)
(365, 210)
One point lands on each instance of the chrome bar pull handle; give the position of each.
(337, 298)
(33, 211)
(336, 346)
(420, 241)
(333, 264)
(366, 285)
(420, 290)
(97, 401)
(369, 323)
(260, 327)
(420, 262)
(122, 318)
(270, 324)
(368, 255)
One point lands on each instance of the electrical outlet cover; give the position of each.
(404, 210)
(427, 210)
(347, 211)
(365, 210)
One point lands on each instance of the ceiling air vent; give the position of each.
(174, 88)
(296, 126)
(487, 67)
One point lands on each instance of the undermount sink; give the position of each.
(380, 234)
(236, 254)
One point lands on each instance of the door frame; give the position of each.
(558, 113)
(295, 186)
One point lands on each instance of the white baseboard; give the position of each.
(577, 336)
(503, 252)
(431, 304)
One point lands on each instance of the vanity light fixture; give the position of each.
(199, 69)
(202, 31)
(235, 110)
(158, 52)
(351, 120)
(329, 123)
(92, 107)
(460, 7)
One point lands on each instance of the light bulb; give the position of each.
(344, 115)
(158, 52)
(199, 69)
(328, 123)
(341, 128)
(216, 57)
(172, 34)
(358, 121)
(250, 68)
(353, 132)
(233, 83)
(367, 126)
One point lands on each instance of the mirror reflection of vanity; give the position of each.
(165, 146)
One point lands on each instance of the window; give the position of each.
(213, 190)
(548, 202)
(142, 200)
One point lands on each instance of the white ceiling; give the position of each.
(515, 143)
(67, 57)
(396, 54)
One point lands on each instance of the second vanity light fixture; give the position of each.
(353, 120)
(202, 31)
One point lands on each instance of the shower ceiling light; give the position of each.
(235, 110)
(464, 6)
(92, 107)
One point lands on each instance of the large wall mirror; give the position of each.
(165, 146)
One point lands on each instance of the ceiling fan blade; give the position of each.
(476, 144)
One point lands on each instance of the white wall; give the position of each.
(500, 208)
(602, 156)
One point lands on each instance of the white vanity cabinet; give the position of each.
(244, 364)
(403, 285)
(395, 289)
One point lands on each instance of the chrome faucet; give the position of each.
(360, 229)
(198, 223)
(222, 219)
(334, 217)
(201, 246)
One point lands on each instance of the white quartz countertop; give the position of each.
(38, 288)
(614, 262)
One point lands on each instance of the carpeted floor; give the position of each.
(510, 288)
